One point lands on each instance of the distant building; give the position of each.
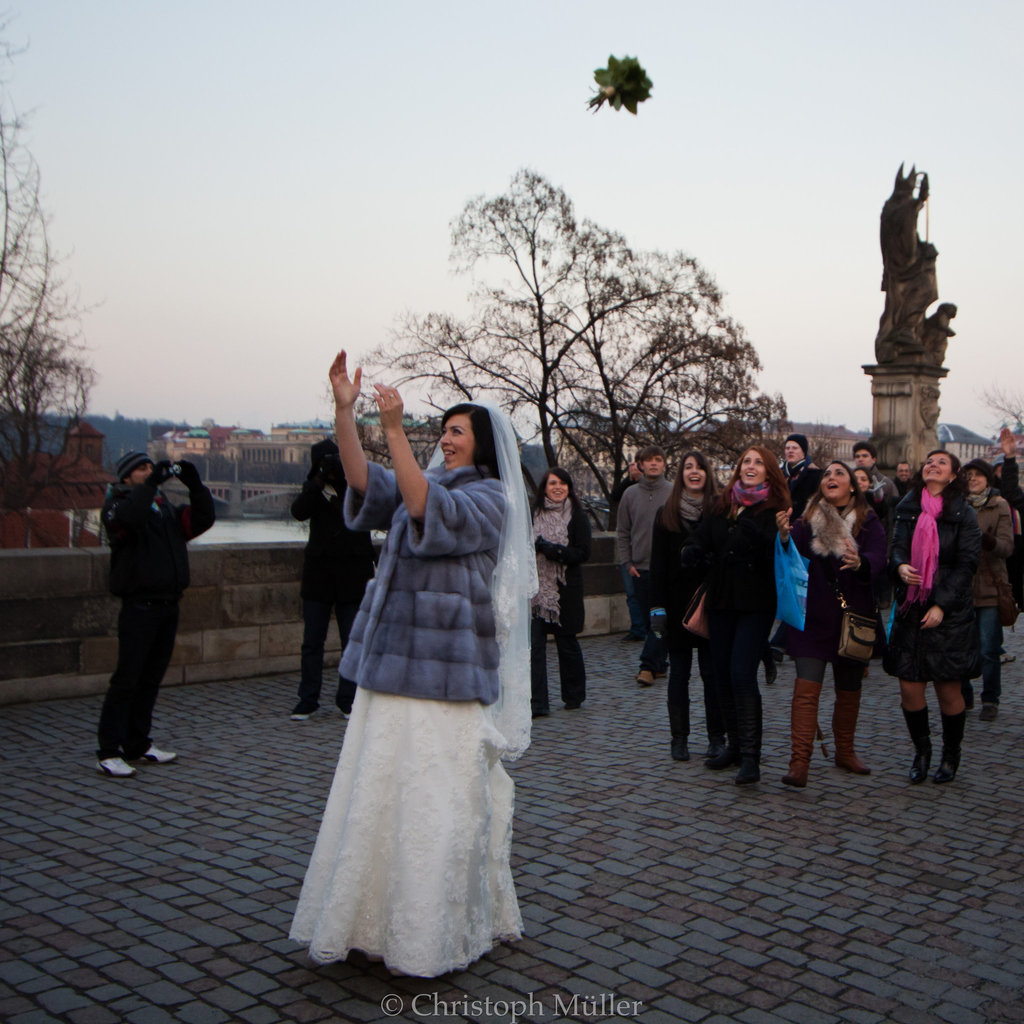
(964, 443)
(70, 489)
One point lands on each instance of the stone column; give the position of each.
(905, 412)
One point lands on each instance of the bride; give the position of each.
(411, 864)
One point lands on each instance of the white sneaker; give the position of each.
(156, 756)
(115, 766)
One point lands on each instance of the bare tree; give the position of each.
(44, 375)
(596, 348)
(1006, 406)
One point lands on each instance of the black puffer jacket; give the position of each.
(950, 650)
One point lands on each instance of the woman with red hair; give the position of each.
(737, 544)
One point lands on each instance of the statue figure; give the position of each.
(936, 332)
(908, 274)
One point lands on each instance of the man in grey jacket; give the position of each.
(640, 504)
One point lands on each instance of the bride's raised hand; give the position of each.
(346, 389)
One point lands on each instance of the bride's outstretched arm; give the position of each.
(346, 391)
(410, 479)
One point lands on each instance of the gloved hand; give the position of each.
(659, 619)
(189, 475)
(547, 548)
(330, 467)
(988, 541)
(161, 472)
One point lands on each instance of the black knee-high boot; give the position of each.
(952, 739)
(917, 725)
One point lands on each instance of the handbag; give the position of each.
(790, 584)
(1005, 601)
(857, 633)
(695, 617)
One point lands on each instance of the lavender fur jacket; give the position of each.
(425, 627)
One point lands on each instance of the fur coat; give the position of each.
(425, 627)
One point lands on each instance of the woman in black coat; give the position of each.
(935, 553)
(672, 587)
(737, 542)
(562, 542)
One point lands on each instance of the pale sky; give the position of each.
(242, 187)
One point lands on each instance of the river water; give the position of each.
(255, 531)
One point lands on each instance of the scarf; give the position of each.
(831, 528)
(792, 472)
(978, 500)
(924, 548)
(690, 509)
(749, 496)
(551, 523)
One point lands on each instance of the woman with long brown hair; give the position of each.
(844, 542)
(672, 587)
(737, 543)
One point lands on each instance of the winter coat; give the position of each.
(820, 635)
(802, 488)
(672, 584)
(950, 650)
(425, 627)
(740, 553)
(148, 537)
(996, 546)
(635, 522)
(572, 555)
(337, 561)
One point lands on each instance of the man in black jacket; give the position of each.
(337, 564)
(149, 572)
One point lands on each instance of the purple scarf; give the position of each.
(924, 548)
(749, 496)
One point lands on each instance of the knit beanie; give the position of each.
(127, 463)
(801, 440)
(980, 466)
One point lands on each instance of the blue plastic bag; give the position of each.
(790, 584)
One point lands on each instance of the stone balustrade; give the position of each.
(241, 617)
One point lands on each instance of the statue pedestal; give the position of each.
(905, 412)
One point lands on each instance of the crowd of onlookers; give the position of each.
(921, 571)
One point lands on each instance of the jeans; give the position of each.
(990, 636)
(571, 671)
(653, 656)
(316, 617)
(145, 642)
(737, 640)
(637, 620)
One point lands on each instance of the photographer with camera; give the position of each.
(149, 572)
(337, 564)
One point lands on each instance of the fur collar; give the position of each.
(830, 529)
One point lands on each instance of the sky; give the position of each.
(242, 187)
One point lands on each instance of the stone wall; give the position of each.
(241, 617)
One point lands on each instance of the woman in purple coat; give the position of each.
(845, 543)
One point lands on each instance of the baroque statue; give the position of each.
(908, 280)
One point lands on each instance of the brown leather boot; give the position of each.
(844, 725)
(804, 725)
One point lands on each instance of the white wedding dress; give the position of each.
(412, 861)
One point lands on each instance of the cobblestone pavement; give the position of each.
(652, 890)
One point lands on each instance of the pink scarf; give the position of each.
(747, 496)
(924, 548)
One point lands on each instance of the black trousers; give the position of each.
(571, 671)
(145, 642)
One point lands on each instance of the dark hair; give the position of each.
(866, 446)
(670, 510)
(484, 455)
(955, 486)
(778, 490)
(650, 452)
(859, 501)
(538, 501)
